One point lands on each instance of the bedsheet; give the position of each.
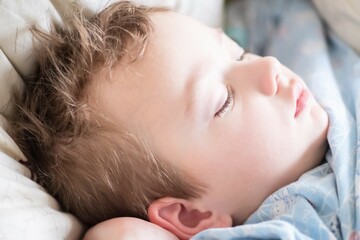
(324, 202)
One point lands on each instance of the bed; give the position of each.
(27, 211)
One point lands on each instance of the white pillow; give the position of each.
(27, 211)
(206, 11)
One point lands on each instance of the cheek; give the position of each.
(257, 138)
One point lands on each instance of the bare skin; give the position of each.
(245, 125)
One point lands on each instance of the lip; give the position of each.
(303, 96)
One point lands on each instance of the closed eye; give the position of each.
(227, 105)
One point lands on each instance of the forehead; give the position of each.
(154, 86)
(175, 33)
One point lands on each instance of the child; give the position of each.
(131, 117)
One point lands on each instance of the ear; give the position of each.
(184, 218)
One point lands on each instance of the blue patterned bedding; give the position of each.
(324, 202)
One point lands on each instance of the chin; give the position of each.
(319, 144)
(320, 121)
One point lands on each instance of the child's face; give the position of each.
(244, 150)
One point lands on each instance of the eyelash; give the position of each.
(242, 55)
(227, 105)
(230, 97)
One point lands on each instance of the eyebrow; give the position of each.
(191, 90)
(193, 84)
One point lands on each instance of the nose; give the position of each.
(269, 69)
(260, 74)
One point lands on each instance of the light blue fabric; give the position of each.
(324, 202)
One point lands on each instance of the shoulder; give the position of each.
(128, 228)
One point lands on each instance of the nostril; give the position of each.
(275, 74)
(277, 83)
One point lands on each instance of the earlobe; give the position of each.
(183, 218)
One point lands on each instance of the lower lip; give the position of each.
(302, 102)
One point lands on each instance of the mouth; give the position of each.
(303, 96)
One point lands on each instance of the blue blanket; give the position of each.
(324, 202)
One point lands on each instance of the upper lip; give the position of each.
(297, 91)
